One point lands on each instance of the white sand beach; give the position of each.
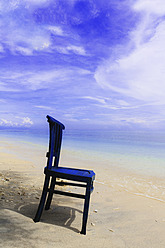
(117, 218)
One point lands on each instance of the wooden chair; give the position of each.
(53, 171)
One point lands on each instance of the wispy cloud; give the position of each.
(151, 7)
(76, 49)
(140, 74)
(39, 79)
(43, 107)
(126, 120)
(38, 3)
(101, 100)
(55, 30)
(25, 36)
(119, 104)
(7, 88)
(22, 39)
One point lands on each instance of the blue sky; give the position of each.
(85, 62)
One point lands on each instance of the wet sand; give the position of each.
(116, 219)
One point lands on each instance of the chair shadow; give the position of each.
(56, 215)
(25, 200)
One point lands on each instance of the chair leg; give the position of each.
(43, 198)
(49, 199)
(86, 208)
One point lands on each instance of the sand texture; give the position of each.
(117, 219)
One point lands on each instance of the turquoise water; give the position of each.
(141, 151)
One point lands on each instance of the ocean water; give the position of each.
(141, 154)
(140, 151)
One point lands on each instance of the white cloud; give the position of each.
(151, 12)
(24, 80)
(150, 6)
(37, 2)
(141, 73)
(4, 122)
(20, 33)
(44, 79)
(23, 50)
(79, 50)
(26, 120)
(13, 4)
(55, 30)
(76, 49)
(135, 120)
(43, 107)
(96, 99)
(23, 122)
(115, 104)
(123, 103)
(34, 80)
(123, 119)
(32, 40)
(25, 36)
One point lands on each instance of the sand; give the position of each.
(117, 218)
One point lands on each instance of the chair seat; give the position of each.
(71, 173)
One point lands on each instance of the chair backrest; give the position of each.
(55, 138)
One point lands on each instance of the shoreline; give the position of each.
(108, 173)
(117, 218)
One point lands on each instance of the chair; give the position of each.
(52, 171)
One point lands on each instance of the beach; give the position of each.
(97, 67)
(119, 215)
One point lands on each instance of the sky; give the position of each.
(87, 63)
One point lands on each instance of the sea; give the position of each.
(138, 154)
